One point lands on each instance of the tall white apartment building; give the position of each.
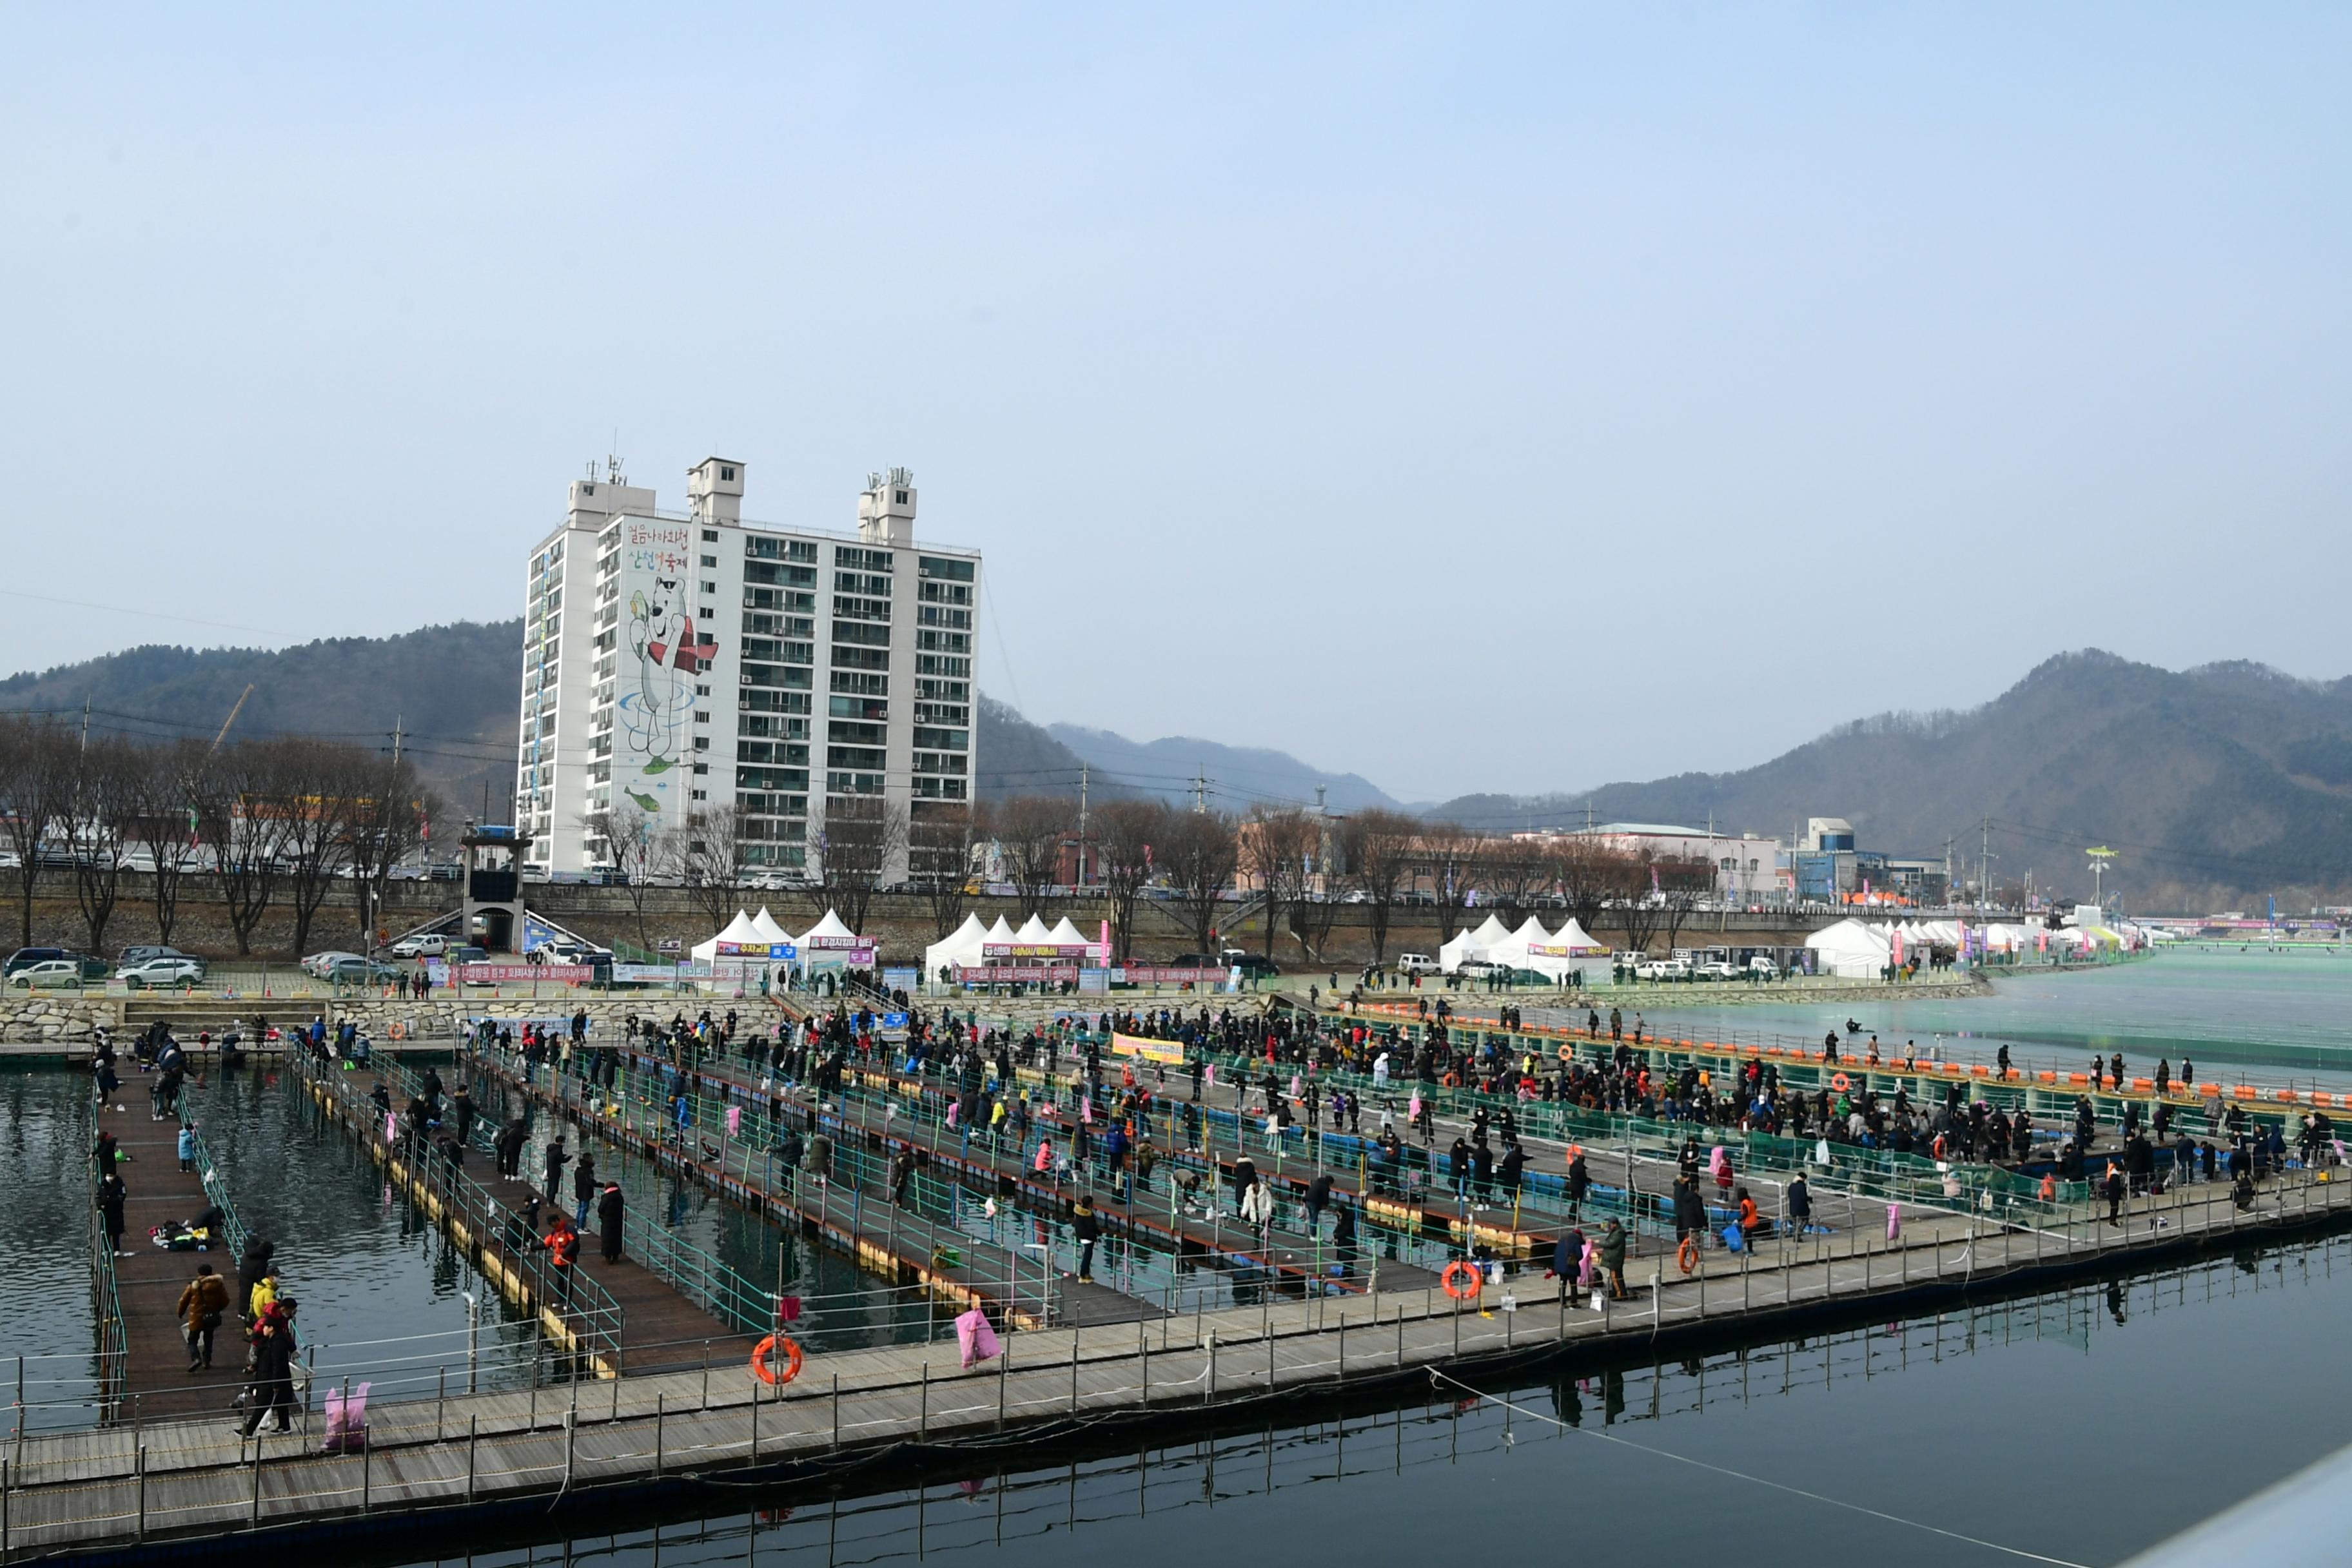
(676, 662)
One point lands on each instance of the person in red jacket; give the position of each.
(562, 1244)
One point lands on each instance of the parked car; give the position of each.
(430, 945)
(1253, 965)
(1662, 969)
(1759, 964)
(318, 965)
(469, 953)
(161, 972)
(352, 970)
(26, 957)
(1416, 963)
(140, 953)
(1720, 969)
(1481, 969)
(47, 973)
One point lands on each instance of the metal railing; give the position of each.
(586, 1309)
(671, 1257)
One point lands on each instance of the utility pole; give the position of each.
(1984, 865)
(85, 726)
(1200, 792)
(396, 739)
(1083, 771)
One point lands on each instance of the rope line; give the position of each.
(1437, 1376)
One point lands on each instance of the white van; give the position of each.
(1415, 963)
(428, 946)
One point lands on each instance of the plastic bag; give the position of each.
(346, 1420)
(977, 1338)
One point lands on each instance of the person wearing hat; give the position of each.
(1089, 1230)
(1798, 1203)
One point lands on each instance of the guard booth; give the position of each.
(493, 882)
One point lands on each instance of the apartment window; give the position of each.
(864, 658)
(702, 742)
(709, 536)
(943, 739)
(939, 566)
(701, 794)
(871, 637)
(700, 717)
(857, 560)
(711, 561)
(871, 710)
(725, 472)
(710, 588)
(859, 684)
(940, 664)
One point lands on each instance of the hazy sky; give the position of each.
(1510, 399)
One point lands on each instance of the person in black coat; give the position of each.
(609, 1204)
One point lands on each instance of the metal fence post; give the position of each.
(138, 1470)
(661, 1432)
(836, 1411)
(472, 1425)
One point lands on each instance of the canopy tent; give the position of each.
(1064, 935)
(830, 944)
(1532, 947)
(1032, 933)
(1851, 950)
(1472, 945)
(738, 931)
(765, 924)
(959, 948)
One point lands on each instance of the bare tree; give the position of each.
(32, 784)
(636, 847)
(1032, 828)
(1588, 874)
(865, 836)
(1512, 875)
(1454, 854)
(164, 823)
(1683, 882)
(99, 806)
(388, 823)
(319, 786)
(242, 815)
(711, 861)
(940, 837)
(1637, 906)
(1378, 845)
(1199, 856)
(1277, 846)
(1126, 836)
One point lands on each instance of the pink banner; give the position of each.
(1007, 973)
(520, 973)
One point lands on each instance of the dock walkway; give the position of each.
(622, 1316)
(156, 1382)
(113, 1488)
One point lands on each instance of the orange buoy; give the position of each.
(1457, 1272)
(764, 1369)
(1687, 1254)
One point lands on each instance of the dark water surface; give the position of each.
(2083, 1426)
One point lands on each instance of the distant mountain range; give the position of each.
(2215, 785)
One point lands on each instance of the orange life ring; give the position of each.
(1839, 1082)
(1452, 1080)
(765, 1370)
(398, 1031)
(1567, 1053)
(1687, 1254)
(1457, 1269)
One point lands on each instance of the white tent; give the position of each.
(765, 924)
(828, 944)
(1000, 935)
(1032, 933)
(1472, 945)
(959, 948)
(1064, 935)
(829, 926)
(1852, 950)
(1516, 949)
(738, 929)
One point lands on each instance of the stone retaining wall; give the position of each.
(39, 1018)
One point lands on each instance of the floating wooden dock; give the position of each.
(430, 1462)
